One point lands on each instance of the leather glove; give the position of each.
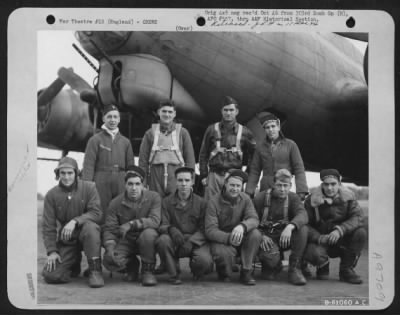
(323, 239)
(186, 249)
(176, 235)
(137, 225)
(124, 228)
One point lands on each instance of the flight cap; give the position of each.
(109, 108)
(266, 117)
(238, 174)
(135, 171)
(184, 169)
(330, 172)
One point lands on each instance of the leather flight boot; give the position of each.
(132, 270)
(323, 271)
(76, 267)
(246, 277)
(95, 279)
(148, 278)
(295, 276)
(305, 269)
(348, 261)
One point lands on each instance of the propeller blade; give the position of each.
(46, 95)
(73, 80)
(95, 114)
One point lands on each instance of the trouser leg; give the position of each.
(223, 256)
(146, 244)
(214, 186)
(249, 248)
(298, 241)
(62, 272)
(102, 180)
(90, 239)
(201, 262)
(166, 250)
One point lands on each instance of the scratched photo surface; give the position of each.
(324, 84)
(279, 71)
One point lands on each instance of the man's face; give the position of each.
(67, 176)
(229, 112)
(330, 186)
(282, 187)
(134, 187)
(272, 130)
(167, 114)
(111, 119)
(233, 186)
(184, 182)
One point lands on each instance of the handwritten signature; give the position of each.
(23, 169)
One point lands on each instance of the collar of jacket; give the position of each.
(167, 129)
(110, 132)
(176, 199)
(223, 125)
(318, 197)
(280, 139)
(126, 201)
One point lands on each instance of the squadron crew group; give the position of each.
(139, 212)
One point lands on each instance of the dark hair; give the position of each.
(168, 102)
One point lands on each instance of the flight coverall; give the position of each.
(189, 220)
(105, 163)
(342, 213)
(122, 210)
(270, 157)
(273, 222)
(61, 205)
(221, 218)
(156, 173)
(213, 164)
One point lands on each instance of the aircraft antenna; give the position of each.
(104, 55)
(85, 57)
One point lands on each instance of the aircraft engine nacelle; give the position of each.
(65, 122)
(141, 82)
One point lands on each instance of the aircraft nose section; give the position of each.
(108, 41)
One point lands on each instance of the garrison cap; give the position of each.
(238, 174)
(330, 172)
(109, 108)
(135, 171)
(267, 117)
(184, 169)
(228, 100)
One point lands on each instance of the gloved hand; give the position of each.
(137, 225)
(323, 239)
(176, 235)
(186, 249)
(124, 228)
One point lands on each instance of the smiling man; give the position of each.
(274, 153)
(74, 205)
(223, 147)
(107, 155)
(283, 222)
(131, 229)
(165, 147)
(231, 226)
(182, 229)
(335, 227)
